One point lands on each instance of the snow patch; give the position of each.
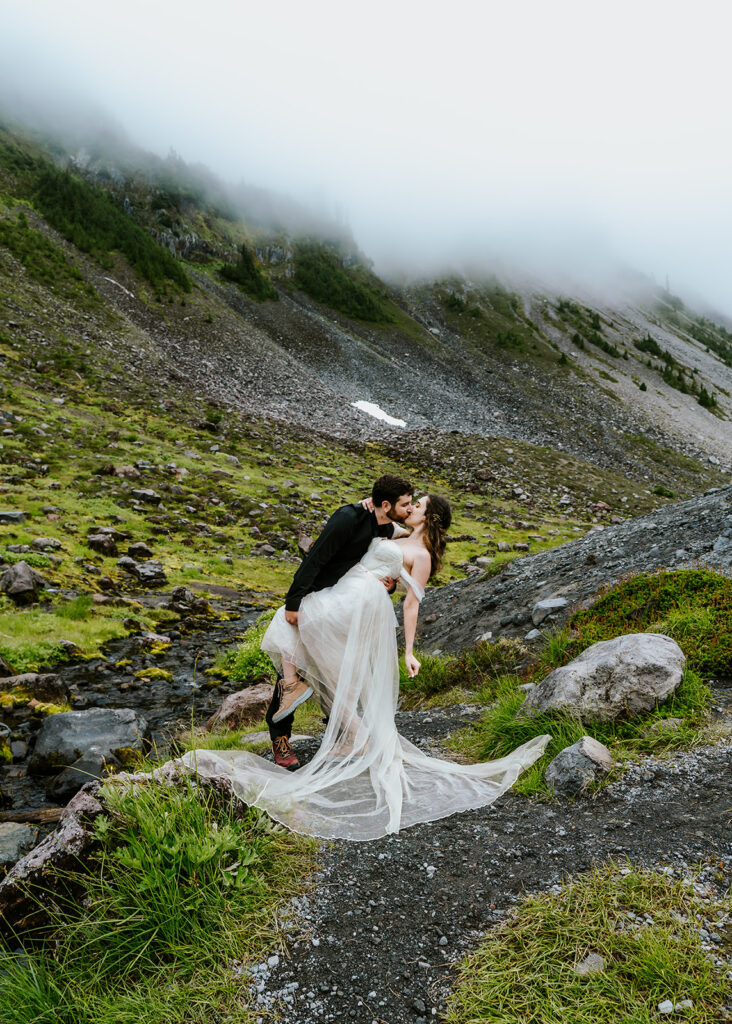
(377, 413)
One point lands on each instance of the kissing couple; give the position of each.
(335, 639)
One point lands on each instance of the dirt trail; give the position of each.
(378, 935)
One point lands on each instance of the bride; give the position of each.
(366, 780)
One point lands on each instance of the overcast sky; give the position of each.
(547, 133)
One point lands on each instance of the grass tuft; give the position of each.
(643, 924)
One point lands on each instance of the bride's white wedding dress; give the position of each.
(365, 780)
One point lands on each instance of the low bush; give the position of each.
(319, 272)
(249, 276)
(248, 663)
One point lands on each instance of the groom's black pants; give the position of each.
(284, 727)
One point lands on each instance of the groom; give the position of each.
(343, 542)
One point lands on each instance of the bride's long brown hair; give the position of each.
(437, 519)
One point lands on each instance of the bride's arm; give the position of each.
(420, 574)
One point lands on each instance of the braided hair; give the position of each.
(437, 519)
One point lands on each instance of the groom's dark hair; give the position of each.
(389, 488)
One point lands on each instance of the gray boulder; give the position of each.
(21, 583)
(139, 550)
(15, 841)
(151, 574)
(146, 495)
(12, 516)
(65, 737)
(612, 679)
(575, 767)
(46, 544)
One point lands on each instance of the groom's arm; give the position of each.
(336, 533)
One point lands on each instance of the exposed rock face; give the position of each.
(698, 531)
(612, 679)
(242, 708)
(575, 767)
(21, 583)
(65, 737)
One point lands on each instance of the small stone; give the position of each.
(685, 1004)
(273, 961)
(666, 1006)
(592, 964)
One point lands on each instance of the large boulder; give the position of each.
(242, 708)
(104, 543)
(21, 583)
(612, 679)
(575, 767)
(65, 737)
(43, 686)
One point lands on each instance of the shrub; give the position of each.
(319, 272)
(249, 276)
(248, 663)
(89, 218)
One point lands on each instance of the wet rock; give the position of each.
(65, 737)
(139, 550)
(15, 841)
(41, 686)
(242, 708)
(12, 516)
(614, 678)
(181, 598)
(575, 767)
(21, 583)
(90, 766)
(104, 543)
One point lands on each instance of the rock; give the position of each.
(666, 1006)
(21, 583)
(41, 686)
(533, 634)
(504, 546)
(104, 543)
(614, 678)
(65, 737)
(88, 767)
(549, 606)
(181, 598)
(46, 544)
(263, 549)
(146, 495)
(139, 550)
(128, 564)
(6, 669)
(151, 574)
(575, 767)
(593, 963)
(127, 472)
(304, 542)
(15, 841)
(152, 639)
(483, 561)
(243, 708)
(12, 516)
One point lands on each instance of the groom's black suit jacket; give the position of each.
(343, 542)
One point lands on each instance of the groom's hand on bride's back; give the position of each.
(291, 617)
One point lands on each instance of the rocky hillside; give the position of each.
(134, 268)
(540, 591)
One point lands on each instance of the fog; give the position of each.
(565, 138)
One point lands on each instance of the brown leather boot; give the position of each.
(284, 755)
(293, 693)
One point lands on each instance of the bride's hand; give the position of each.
(367, 503)
(413, 666)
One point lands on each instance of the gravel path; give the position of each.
(378, 935)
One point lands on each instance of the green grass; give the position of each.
(247, 662)
(523, 971)
(183, 890)
(693, 606)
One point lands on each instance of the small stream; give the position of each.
(168, 706)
